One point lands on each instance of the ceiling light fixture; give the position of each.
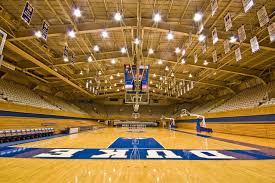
(77, 12)
(183, 52)
(118, 16)
(160, 62)
(172, 74)
(136, 41)
(38, 34)
(113, 61)
(233, 39)
(90, 59)
(96, 48)
(167, 68)
(123, 50)
(71, 34)
(177, 50)
(170, 36)
(111, 77)
(201, 37)
(190, 75)
(154, 75)
(150, 51)
(118, 75)
(157, 17)
(104, 34)
(99, 72)
(66, 59)
(198, 17)
(183, 61)
(205, 62)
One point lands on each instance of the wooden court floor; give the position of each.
(38, 170)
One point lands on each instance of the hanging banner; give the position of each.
(254, 44)
(27, 13)
(72, 59)
(241, 33)
(227, 22)
(238, 54)
(215, 36)
(214, 56)
(214, 6)
(66, 52)
(226, 46)
(195, 58)
(263, 16)
(247, 5)
(271, 31)
(45, 30)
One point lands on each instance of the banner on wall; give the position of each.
(262, 16)
(254, 44)
(226, 46)
(214, 6)
(247, 5)
(27, 13)
(271, 31)
(215, 36)
(238, 54)
(45, 30)
(195, 58)
(241, 33)
(227, 22)
(214, 56)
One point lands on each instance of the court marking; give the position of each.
(143, 143)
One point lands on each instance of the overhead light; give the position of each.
(105, 81)
(66, 59)
(172, 74)
(81, 72)
(233, 39)
(198, 17)
(104, 34)
(170, 36)
(201, 37)
(190, 75)
(90, 81)
(113, 61)
(123, 50)
(90, 59)
(167, 68)
(150, 51)
(160, 61)
(136, 41)
(96, 48)
(205, 62)
(118, 75)
(183, 61)
(157, 17)
(99, 72)
(177, 50)
(183, 52)
(153, 90)
(118, 90)
(154, 75)
(160, 78)
(115, 85)
(118, 16)
(121, 81)
(71, 34)
(38, 34)
(111, 77)
(77, 12)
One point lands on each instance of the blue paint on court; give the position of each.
(127, 143)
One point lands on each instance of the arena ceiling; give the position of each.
(97, 26)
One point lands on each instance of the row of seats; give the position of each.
(23, 134)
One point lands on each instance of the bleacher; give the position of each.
(19, 94)
(23, 134)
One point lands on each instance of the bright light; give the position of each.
(167, 68)
(118, 16)
(233, 39)
(104, 34)
(123, 50)
(183, 52)
(38, 34)
(115, 85)
(205, 62)
(121, 81)
(157, 17)
(177, 50)
(71, 34)
(118, 91)
(118, 74)
(99, 72)
(172, 74)
(151, 51)
(66, 59)
(136, 41)
(201, 37)
(190, 75)
(90, 59)
(113, 61)
(160, 62)
(198, 17)
(111, 77)
(81, 72)
(154, 75)
(160, 78)
(183, 61)
(77, 12)
(96, 48)
(151, 82)
(170, 36)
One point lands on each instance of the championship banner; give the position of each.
(271, 31)
(238, 54)
(254, 44)
(263, 16)
(247, 5)
(215, 36)
(214, 56)
(226, 46)
(227, 22)
(241, 33)
(27, 13)
(214, 6)
(45, 30)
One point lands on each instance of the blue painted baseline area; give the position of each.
(142, 143)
